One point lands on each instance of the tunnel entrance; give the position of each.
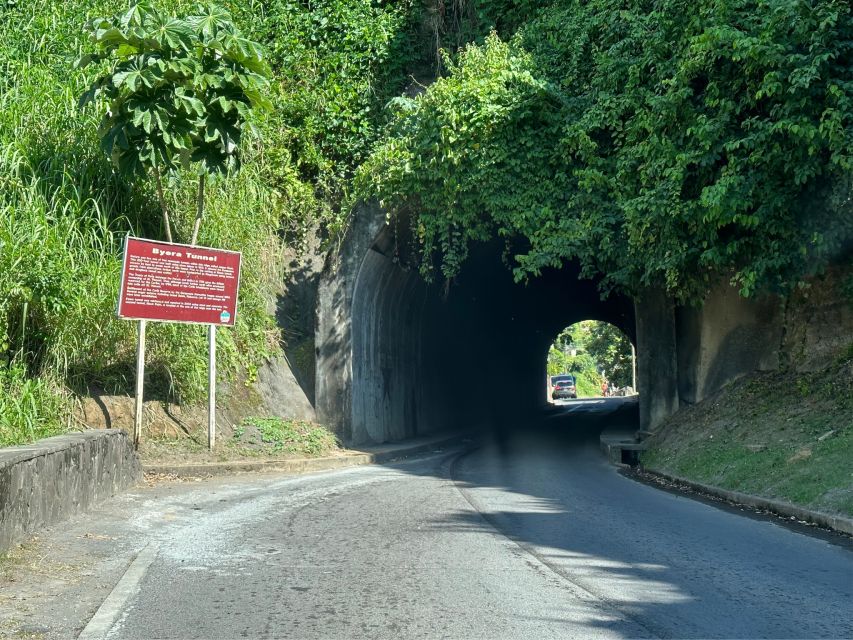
(588, 359)
(435, 357)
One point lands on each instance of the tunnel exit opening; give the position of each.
(590, 358)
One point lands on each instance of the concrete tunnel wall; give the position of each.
(389, 360)
(397, 357)
(417, 358)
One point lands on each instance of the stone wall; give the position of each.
(55, 478)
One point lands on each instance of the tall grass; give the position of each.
(64, 213)
(63, 217)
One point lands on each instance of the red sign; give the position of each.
(178, 283)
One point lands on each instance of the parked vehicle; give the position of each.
(562, 377)
(563, 387)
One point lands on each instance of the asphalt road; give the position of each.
(528, 535)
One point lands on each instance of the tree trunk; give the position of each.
(163, 207)
(200, 209)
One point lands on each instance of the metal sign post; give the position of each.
(211, 386)
(171, 282)
(140, 382)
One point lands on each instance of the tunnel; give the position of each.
(431, 357)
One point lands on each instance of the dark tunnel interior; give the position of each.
(433, 357)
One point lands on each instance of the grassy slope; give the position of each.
(253, 439)
(785, 436)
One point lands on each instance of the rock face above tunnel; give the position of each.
(280, 393)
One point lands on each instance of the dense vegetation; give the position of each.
(64, 209)
(661, 144)
(658, 143)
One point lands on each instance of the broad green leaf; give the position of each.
(165, 84)
(109, 36)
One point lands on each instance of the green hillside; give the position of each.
(64, 212)
(665, 145)
(784, 436)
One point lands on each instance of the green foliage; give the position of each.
(290, 436)
(178, 90)
(598, 348)
(665, 144)
(470, 156)
(506, 16)
(611, 350)
(64, 208)
(29, 408)
(337, 63)
(558, 361)
(581, 365)
(64, 212)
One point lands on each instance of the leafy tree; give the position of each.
(611, 350)
(582, 365)
(179, 93)
(337, 62)
(568, 354)
(558, 361)
(660, 144)
(589, 349)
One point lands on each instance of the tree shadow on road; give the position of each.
(652, 564)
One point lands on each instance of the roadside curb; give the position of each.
(779, 507)
(297, 466)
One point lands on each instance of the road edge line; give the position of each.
(107, 614)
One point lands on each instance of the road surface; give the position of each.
(530, 535)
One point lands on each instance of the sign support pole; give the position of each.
(211, 384)
(140, 383)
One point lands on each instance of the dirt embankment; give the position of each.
(785, 435)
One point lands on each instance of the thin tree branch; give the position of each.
(200, 209)
(163, 206)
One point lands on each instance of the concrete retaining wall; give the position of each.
(55, 478)
(657, 355)
(686, 354)
(334, 350)
(727, 337)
